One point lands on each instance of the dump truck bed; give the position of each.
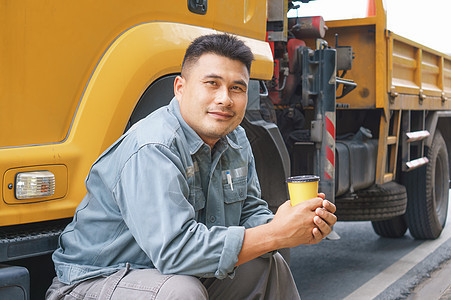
(391, 72)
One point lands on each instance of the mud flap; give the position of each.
(271, 158)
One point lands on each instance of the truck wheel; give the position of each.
(393, 228)
(377, 203)
(428, 189)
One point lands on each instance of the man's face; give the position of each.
(213, 96)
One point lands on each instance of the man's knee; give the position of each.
(182, 287)
(270, 263)
(280, 260)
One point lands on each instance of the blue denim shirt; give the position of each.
(159, 197)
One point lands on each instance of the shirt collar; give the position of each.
(193, 139)
(231, 138)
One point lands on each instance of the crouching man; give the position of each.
(173, 209)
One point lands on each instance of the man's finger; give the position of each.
(329, 206)
(322, 225)
(288, 202)
(312, 204)
(317, 235)
(328, 217)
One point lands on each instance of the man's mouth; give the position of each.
(221, 114)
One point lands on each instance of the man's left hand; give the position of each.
(324, 218)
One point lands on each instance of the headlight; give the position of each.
(35, 184)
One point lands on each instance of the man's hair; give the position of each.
(225, 45)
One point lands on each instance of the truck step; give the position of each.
(417, 135)
(413, 164)
(27, 240)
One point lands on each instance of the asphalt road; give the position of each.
(362, 265)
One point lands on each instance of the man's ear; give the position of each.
(179, 83)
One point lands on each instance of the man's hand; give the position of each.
(324, 214)
(306, 223)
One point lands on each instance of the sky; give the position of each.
(427, 22)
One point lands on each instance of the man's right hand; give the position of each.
(306, 223)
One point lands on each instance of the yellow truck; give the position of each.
(370, 114)
(399, 110)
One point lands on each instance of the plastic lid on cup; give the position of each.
(302, 178)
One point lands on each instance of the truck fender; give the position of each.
(271, 158)
(431, 123)
(439, 120)
(134, 60)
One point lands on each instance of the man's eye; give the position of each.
(237, 88)
(211, 82)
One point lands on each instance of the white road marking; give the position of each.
(387, 277)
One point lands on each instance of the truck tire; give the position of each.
(427, 190)
(392, 228)
(377, 203)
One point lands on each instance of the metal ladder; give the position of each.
(412, 138)
(388, 147)
(413, 141)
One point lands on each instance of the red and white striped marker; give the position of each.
(329, 167)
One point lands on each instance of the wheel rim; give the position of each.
(440, 187)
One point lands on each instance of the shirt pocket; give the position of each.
(196, 195)
(236, 190)
(196, 198)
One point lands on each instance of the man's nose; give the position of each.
(223, 97)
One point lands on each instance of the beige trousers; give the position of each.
(261, 278)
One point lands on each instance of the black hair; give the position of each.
(226, 45)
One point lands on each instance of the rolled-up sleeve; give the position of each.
(152, 193)
(229, 256)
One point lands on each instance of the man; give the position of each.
(173, 208)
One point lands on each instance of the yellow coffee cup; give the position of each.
(302, 188)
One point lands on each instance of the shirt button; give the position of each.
(212, 219)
